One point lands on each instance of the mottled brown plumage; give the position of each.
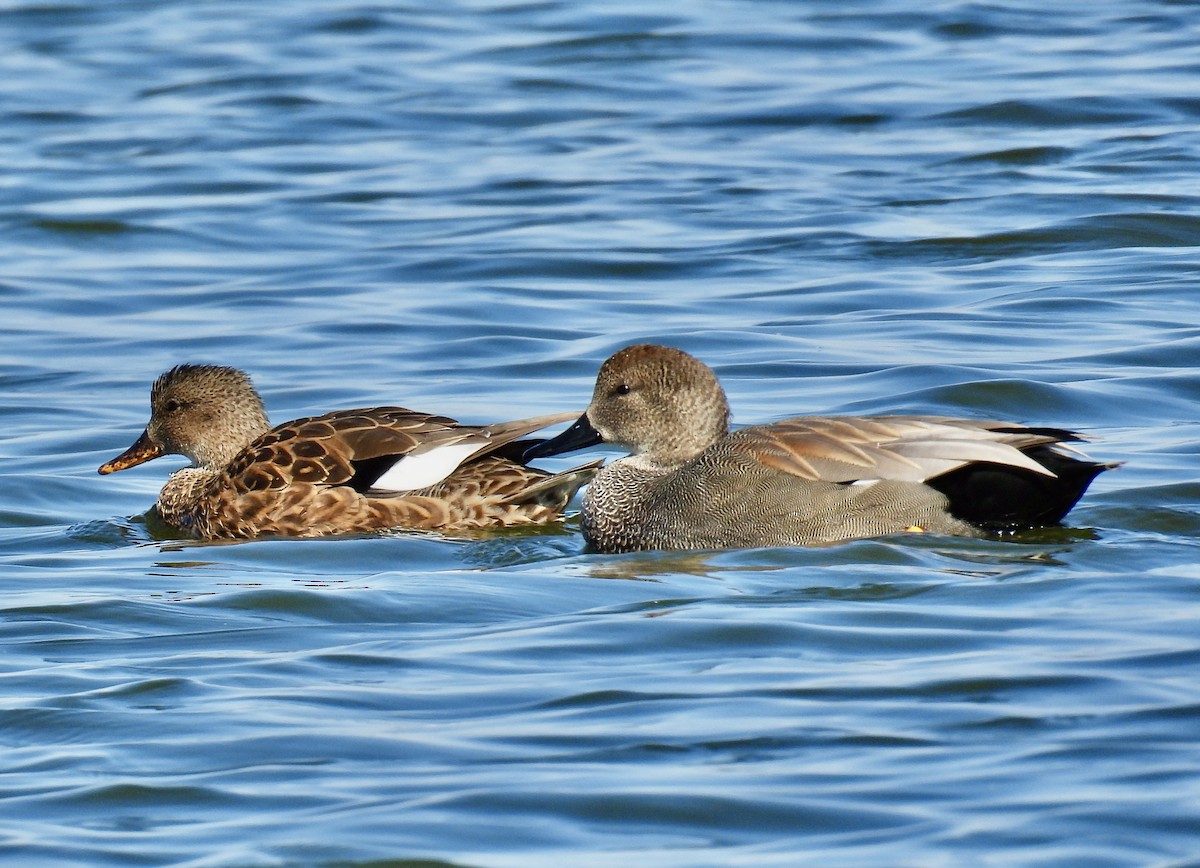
(691, 484)
(342, 472)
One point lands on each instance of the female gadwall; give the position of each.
(350, 471)
(691, 484)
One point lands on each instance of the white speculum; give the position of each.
(423, 469)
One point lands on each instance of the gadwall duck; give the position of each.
(351, 471)
(691, 484)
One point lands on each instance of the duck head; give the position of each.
(207, 413)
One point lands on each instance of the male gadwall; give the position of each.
(691, 484)
(351, 471)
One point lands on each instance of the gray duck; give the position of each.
(690, 483)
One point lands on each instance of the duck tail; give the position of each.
(1001, 497)
(555, 490)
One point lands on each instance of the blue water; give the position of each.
(961, 208)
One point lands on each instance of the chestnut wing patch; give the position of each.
(903, 448)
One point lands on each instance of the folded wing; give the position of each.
(370, 449)
(903, 448)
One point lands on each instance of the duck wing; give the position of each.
(386, 448)
(902, 448)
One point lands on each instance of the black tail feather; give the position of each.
(515, 451)
(998, 496)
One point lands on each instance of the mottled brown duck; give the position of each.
(692, 484)
(350, 471)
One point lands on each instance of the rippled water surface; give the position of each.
(956, 208)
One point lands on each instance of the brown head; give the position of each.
(660, 403)
(207, 413)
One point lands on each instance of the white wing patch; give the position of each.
(423, 469)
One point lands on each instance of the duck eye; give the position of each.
(171, 406)
(623, 389)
